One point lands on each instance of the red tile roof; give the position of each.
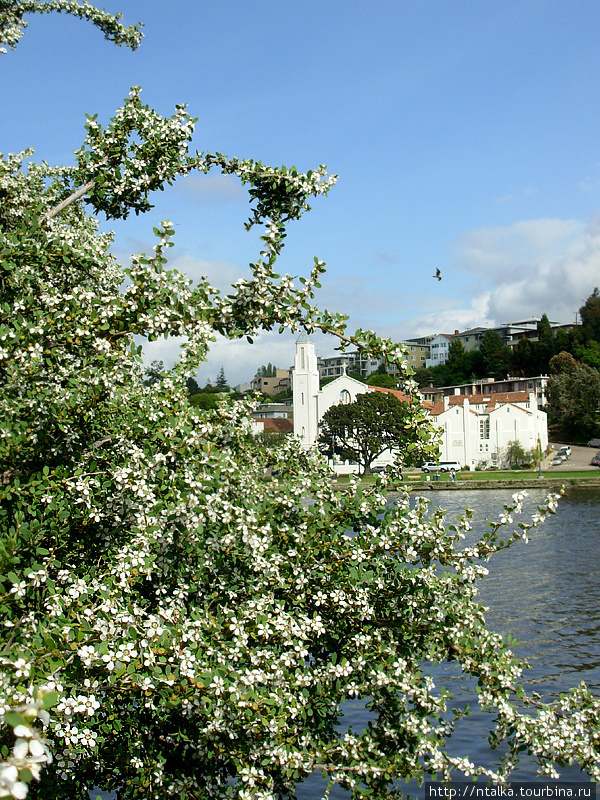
(279, 424)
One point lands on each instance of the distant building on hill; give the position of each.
(438, 350)
(272, 385)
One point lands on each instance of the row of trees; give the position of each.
(169, 628)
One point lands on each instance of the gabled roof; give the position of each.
(490, 401)
(437, 408)
(346, 378)
(400, 395)
(278, 424)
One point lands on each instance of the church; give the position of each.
(475, 430)
(311, 402)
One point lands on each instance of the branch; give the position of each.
(68, 200)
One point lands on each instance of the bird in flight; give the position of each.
(438, 274)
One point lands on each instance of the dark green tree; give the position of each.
(563, 342)
(495, 354)
(573, 393)
(523, 358)
(544, 347)
(588, 353)
(590, 316)
(357, 377)
(456, 351)
(266, 371)
(363, 430)
(192, 386)
(423, 376)
(154, 373)
(222, 384)
(383, 379)
(461, 366)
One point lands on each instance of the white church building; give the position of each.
(475, 430)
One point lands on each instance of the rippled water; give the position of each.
(545, 593)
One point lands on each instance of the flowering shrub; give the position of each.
(172, 626)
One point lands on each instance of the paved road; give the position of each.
(579, 459)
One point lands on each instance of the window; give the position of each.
(484, 428)
(345, 397)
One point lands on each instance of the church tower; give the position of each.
(305, 387)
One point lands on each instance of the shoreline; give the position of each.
(517, 483)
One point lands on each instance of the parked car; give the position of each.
(595, 462)
(566, 450)
(556, 461)
(594, 443)
(441, 466)
(378, 470)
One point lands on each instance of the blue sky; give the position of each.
(465, 135)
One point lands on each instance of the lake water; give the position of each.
(546, 594)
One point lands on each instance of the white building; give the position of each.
(475, 430)
(438, 350)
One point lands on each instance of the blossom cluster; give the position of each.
(12, 24)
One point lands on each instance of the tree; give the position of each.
(523, 359)
(590, 316)
(154, 373)
(544, 347)
(517, 456)
(456, 351)
(423, 376)
(496, 355)
(205, 400)
(461, 365)
(573, 393)
(222, 381)
(192, 386)
(266, 371)
(382, 379)
(589, 353)
(363, 430)
(169, 628)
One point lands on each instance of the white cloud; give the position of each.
(533, 267)
(238, 357)
(445, 320)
